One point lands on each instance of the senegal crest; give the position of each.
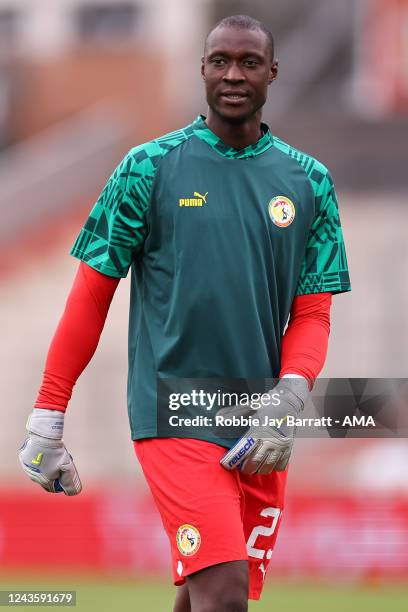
(188, 540)
(281, 211)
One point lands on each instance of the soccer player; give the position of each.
(229, 232)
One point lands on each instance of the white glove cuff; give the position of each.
(46, 423)
(297, 385)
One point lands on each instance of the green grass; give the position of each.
(155, 596)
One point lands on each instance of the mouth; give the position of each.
(234, 97)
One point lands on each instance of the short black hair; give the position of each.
(244, 22)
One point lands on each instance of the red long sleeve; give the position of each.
(304, 345)
(76, 336)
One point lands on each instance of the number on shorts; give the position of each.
(262, 530)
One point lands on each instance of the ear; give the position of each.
(203, 68)
(273, 73)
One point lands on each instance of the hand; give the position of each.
(43, 455)
(267, 447)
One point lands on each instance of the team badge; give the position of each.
(188, 540)
(281, 211)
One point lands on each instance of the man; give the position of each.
(227, 231)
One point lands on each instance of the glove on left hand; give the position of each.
(265, 448)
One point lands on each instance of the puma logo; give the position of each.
(198, 200)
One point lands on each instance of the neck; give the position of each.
(237, 135)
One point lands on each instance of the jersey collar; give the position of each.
(202, 131)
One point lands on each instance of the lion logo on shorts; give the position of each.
(188, 540)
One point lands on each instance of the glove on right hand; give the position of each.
(43, 455)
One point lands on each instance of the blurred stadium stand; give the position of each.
(48, 172)
(81, 81)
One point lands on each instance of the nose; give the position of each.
(233, 73)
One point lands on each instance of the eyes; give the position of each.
(220, 62)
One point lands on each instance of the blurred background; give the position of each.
(82, 81)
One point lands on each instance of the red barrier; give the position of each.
(121, 531)
(344, 536)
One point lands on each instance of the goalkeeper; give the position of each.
(228, 232)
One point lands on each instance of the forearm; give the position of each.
(264, 447)
(305, 343)
(76, 336)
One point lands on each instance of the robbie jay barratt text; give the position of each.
(290, 421)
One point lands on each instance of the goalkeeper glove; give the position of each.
(266, 447)
(43, 455)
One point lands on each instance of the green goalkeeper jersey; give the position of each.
(219, 241)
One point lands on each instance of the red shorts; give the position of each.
(212, 515)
